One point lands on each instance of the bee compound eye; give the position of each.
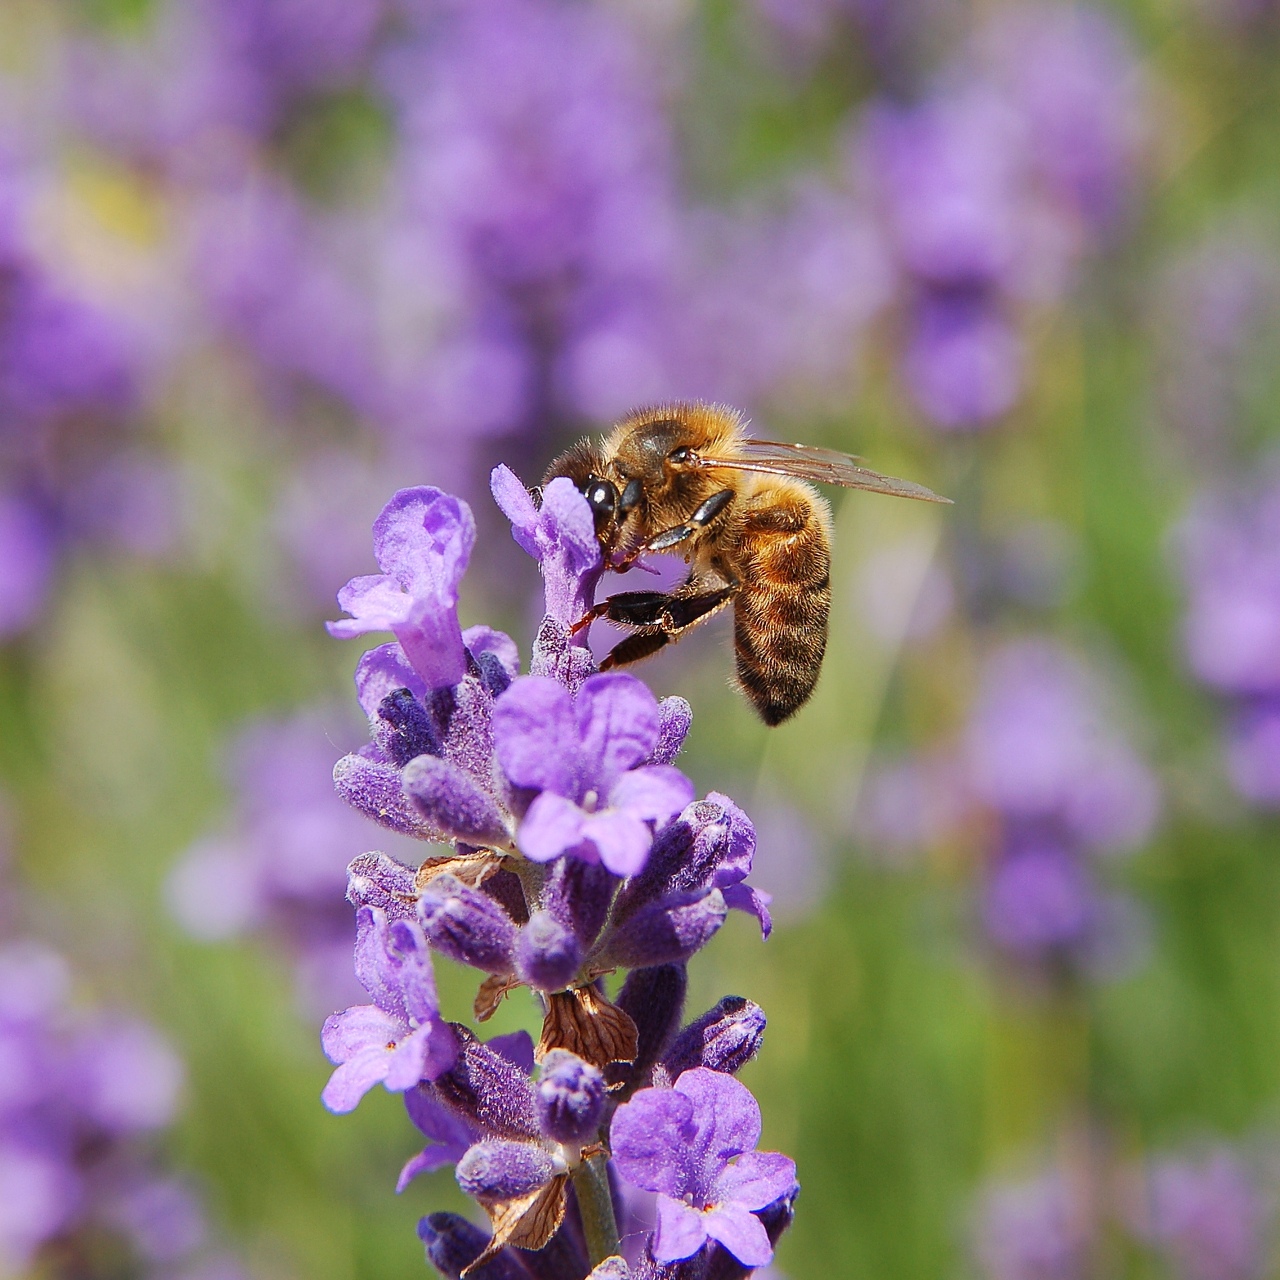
(602, 498)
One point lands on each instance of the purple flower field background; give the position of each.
(263, 263)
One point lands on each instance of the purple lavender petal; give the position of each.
(423, 540)
(618, 727)
(516, 503)
(552, 826)
(424, 1054)
(381, 672)
(755, 902)
(681, 1232)
(652, 1137)
(756, 1179)
(741, 1232)
(428, 1160)
(654, 793)
(620, 841)
(535, 733)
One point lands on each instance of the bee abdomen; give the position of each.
(781, 612)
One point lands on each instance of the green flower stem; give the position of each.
(591, 1182)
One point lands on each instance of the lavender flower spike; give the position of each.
(682, 1144)
(582, 757)
(423, 540)
(399, 1039)
(560, 535)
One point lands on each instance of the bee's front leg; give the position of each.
(671, 538)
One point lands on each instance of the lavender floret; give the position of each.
(694, 1145)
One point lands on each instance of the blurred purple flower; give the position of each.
(1039, 749)
(963, 360)
(1253, 752)
(1208, 1217)
(1039, 900)
(28, 550)
(1078, 84)
(1034, 1230)
(1230, 559)
(82, 1094)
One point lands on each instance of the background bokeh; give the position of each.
(264, 261)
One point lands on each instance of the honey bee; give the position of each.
(686, 479)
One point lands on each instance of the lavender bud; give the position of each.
(466, 925)
(499, 1169)
(405, 728)
(654, 999)
(675, 716)
(578, 894)
(373, 787)
(453, 1244)
(669, 931)
(375, 880)
(725, 1038)
(570, 1098)
(547, 954)
(493, 675)
(489, 1090)
(451, 801)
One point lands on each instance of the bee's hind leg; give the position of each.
(634, 648)
(663, 618)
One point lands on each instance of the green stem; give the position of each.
(591, 1183)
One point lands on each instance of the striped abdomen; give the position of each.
(783, 563)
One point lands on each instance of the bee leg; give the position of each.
(667, 623)
(627, 608)
(668, 538)
(633, 648)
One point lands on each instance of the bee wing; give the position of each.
(823, 466)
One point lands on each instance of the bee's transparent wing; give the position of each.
(822, 466)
